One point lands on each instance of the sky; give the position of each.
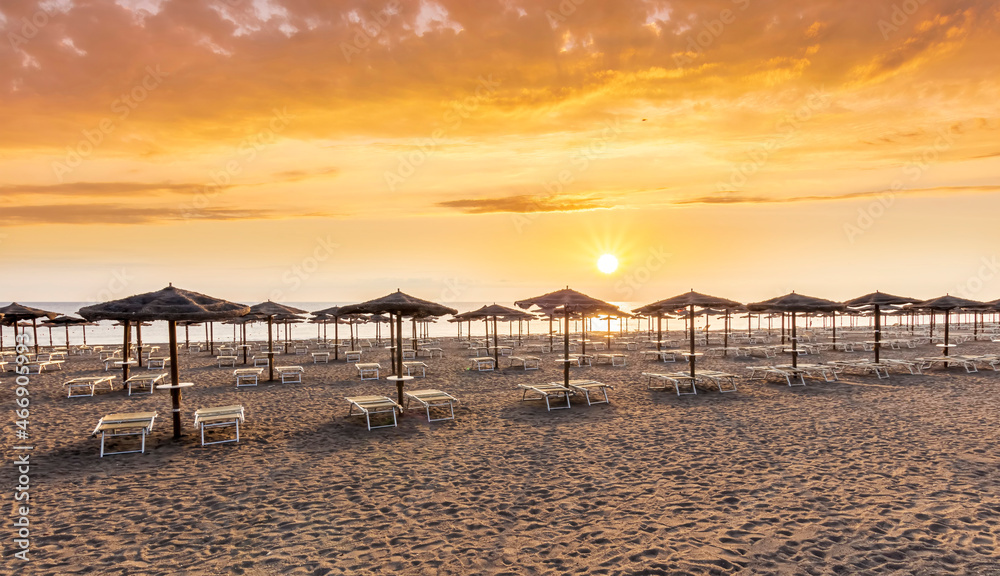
(308, 150)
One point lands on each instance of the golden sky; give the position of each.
(494, 149)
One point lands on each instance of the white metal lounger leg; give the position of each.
(550, 408)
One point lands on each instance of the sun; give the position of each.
(607, 263)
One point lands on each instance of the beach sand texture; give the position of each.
(861, 476)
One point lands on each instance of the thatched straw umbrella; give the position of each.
(795, 303)
(492, 311)
(269, 310)
(170, 304)
(332, 312)
(688, 300)
(379, 319)
(14, 312)
(566, 301)
(242, 322)
(877, 300)
(946, 304)
(398, 304)
(66, 322)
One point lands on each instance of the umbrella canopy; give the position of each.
(269, 310)
(796, 303)
(567, 301)
(14, 312)
(173, 305)
(398, 304)
(688, 300)
(946, 304)
(878, 301)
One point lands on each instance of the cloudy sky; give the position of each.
(494, 149)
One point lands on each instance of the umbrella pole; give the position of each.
(691, 317)
(187, 338)
(550, 333)
(496, 351)
(34, 329)
(399, 357)
(67, 338)
(336, 339)
(834, 324)
(659, 331)
(126, 350)
(175, 392)
(725, 338)
(392, 343)
(609, 332)
(566, 347)
(795, 353)
(243, 341)
(84, 328)
(782, 328)
(270, 348)
(946, 323)
(878, 331)
(138, 342)
(211, 338)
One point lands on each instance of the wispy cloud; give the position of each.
(738, 198)
(110, 214)
(99, 189)
(524, 204)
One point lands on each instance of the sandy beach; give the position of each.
(859, 476)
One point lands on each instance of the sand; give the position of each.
(861, 476)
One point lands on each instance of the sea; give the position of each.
(105, 333)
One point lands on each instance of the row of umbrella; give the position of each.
(177, 306)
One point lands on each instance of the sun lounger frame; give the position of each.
(368, 405)
(553, 389)
(432, 399)
(125, 424)
(219, 417)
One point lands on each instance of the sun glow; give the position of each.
(607, 263)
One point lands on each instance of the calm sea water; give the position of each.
(105, 333)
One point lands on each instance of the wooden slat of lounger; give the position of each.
(218, 411)
(424, 396)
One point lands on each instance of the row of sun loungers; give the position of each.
(141, 424)
(429, 399)
(557, 391)
(724, 381)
